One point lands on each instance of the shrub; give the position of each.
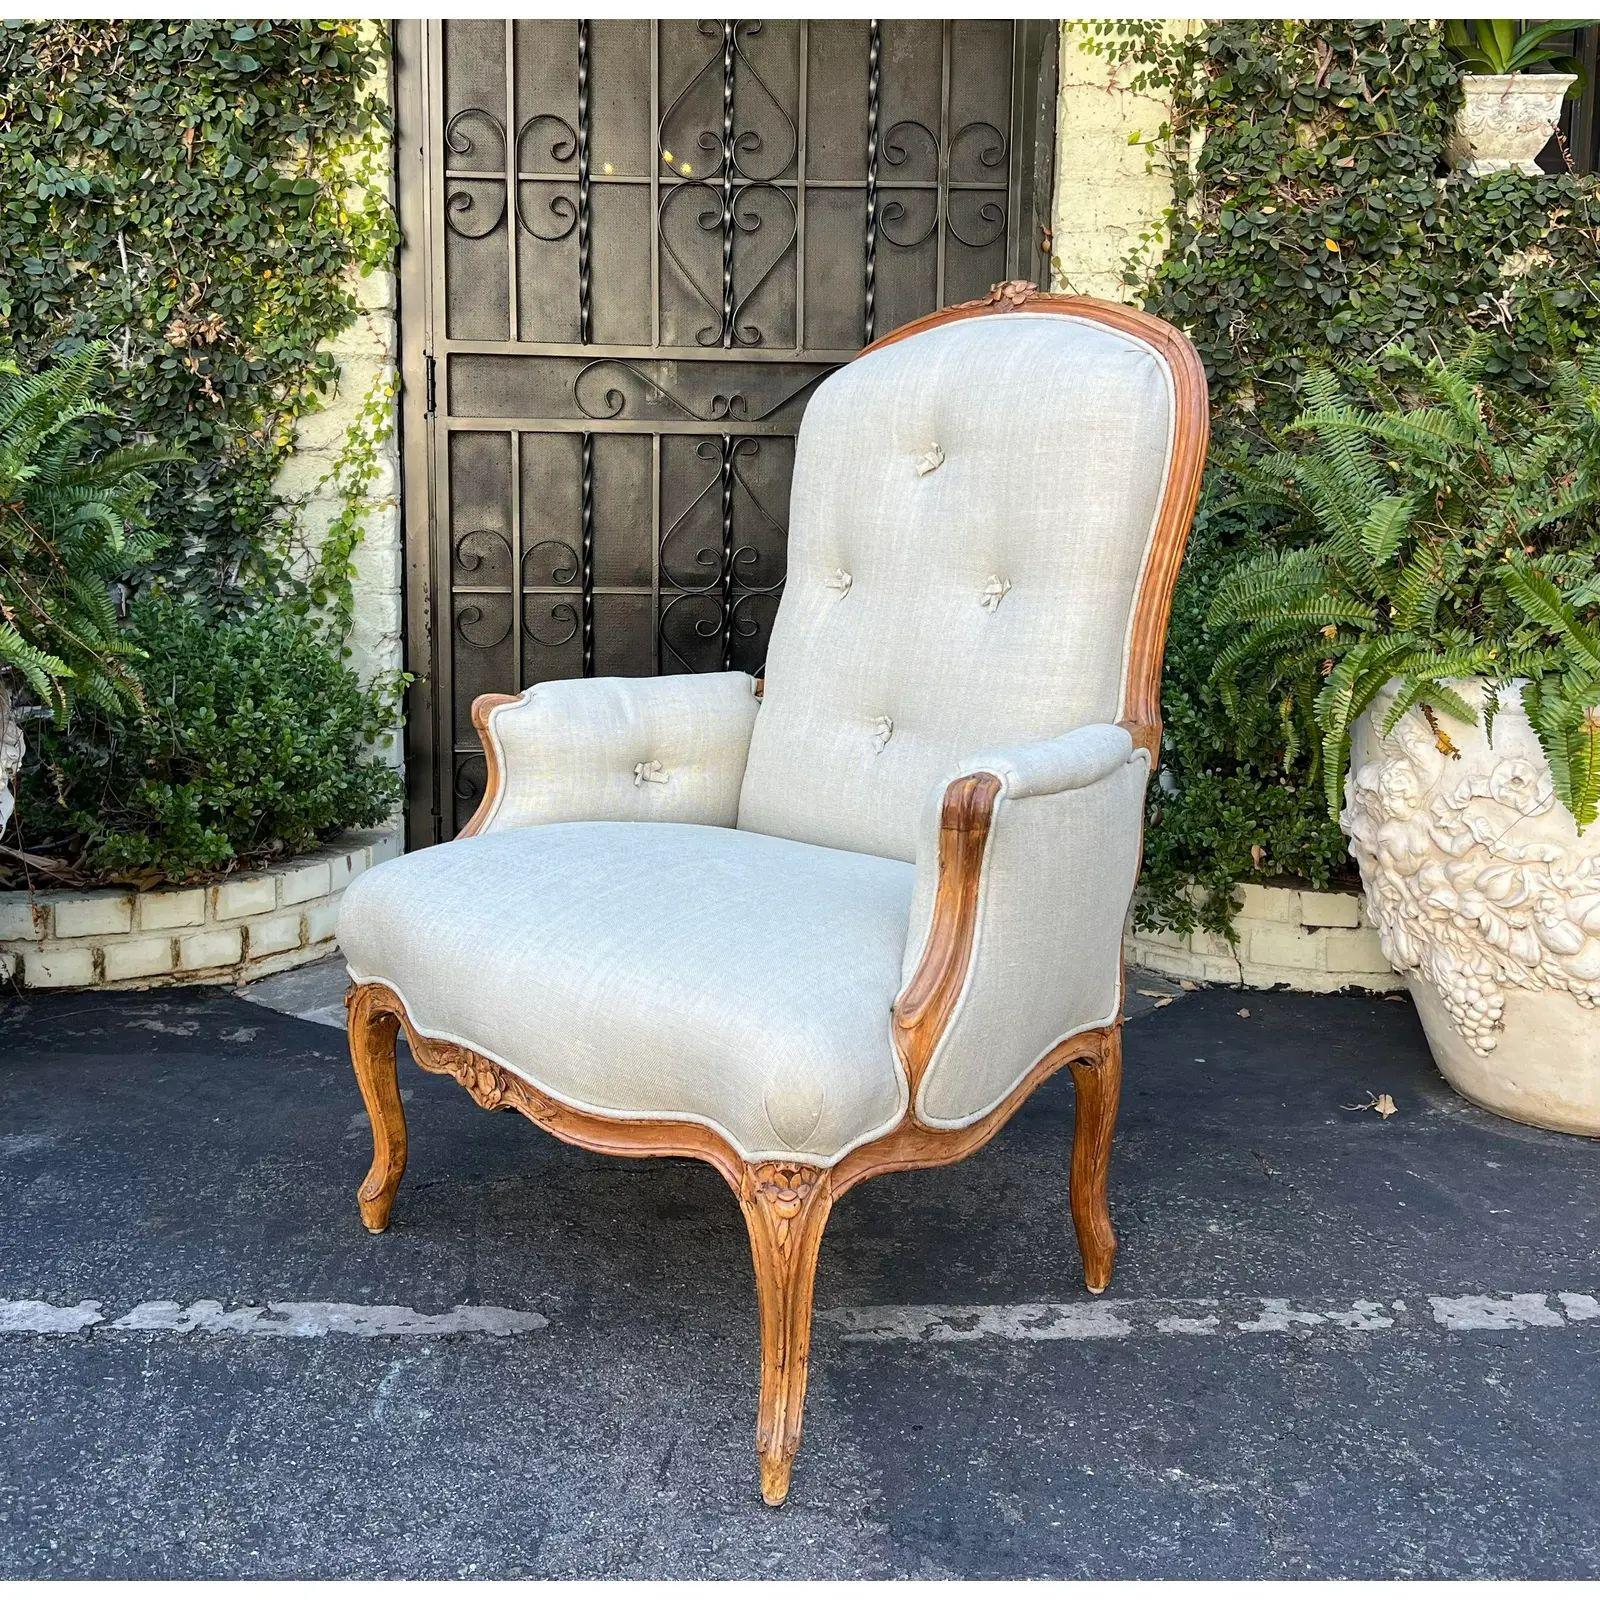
(1224, 807)
(255, 742)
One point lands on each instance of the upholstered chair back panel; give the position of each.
(971, 512)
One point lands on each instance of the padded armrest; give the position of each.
(1052, 766)
(1025, 868)
(668, 749)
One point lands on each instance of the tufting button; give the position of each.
(839, 582)
(994, 591)
(882, 732)
(648, 772)
(930, 460)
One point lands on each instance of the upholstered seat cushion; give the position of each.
(656, 969)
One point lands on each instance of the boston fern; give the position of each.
(1435, 527)
(68, 529)
(69, 526)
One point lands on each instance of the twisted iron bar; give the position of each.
(584, 276)
(587, 593)
(727, 183)
(874, 64)
(586, 596)
(727, 551)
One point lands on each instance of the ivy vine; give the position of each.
(202, 194)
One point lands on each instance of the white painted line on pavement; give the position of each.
(1124, 1319)
(930, 1324)
(281, 1319)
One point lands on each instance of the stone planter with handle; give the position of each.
(1486, 897)
(1505, 120)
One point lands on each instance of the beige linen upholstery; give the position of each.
(988, 600)
(972, 511)
(1058, 871)
(650, 969)
(623, 750)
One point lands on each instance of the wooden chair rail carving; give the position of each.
(786, 1205)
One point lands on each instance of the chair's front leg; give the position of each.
(1097, 1077)
(786, 1208)
(373, 1025)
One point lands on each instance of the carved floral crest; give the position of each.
(1475, 878)
(1008, 296)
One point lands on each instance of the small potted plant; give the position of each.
(1431, 624)
(1512, 86)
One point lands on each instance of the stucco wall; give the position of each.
(1106, 194)
(367, 353)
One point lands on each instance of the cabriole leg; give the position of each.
(786, 1208)
(372, 1030)
(1098, 1081)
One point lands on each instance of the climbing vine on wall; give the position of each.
(199, 194)
(1312, 219)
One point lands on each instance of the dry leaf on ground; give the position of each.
(1383, 1104)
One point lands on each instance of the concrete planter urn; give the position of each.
(1505, 120)
(1486, 898)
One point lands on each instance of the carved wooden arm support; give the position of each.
(925, 1004)
(1146, 735)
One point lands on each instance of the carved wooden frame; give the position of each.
(786, 1204)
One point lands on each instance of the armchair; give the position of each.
(844, 924)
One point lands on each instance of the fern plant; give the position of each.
(1434, 527)
(70, 526)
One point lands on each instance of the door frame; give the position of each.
(429, 733)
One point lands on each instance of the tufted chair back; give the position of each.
(972, 521)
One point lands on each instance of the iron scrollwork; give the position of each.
(729, 188)
(733, 192)
(461, 201)
(725, 406)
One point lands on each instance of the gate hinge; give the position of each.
(432, 368)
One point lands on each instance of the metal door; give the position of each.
(632, 250)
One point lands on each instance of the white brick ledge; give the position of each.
(1313, 940)
(244, 927)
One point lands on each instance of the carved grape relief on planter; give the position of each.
(1475, 877)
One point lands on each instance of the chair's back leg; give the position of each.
(1097, 1077)
(373, 1025)
(786, 1208)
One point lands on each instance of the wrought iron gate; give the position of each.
(632, 251)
